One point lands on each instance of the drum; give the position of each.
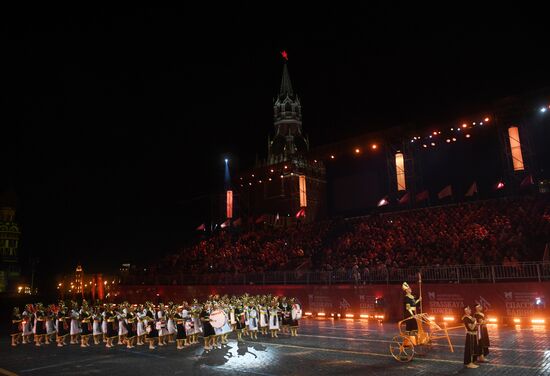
(218, 318)
(296, 312)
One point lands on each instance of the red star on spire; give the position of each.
(284, 55)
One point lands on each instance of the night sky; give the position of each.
(115, 121)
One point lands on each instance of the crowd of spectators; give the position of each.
(501, 231)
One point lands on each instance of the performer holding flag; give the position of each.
(410, 307)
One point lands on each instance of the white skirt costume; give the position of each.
(264, 319)
(27, 327)
(171, 326)
(97, 327)
(75, 325)
(50, 327)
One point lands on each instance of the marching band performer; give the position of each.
(131, 327)
(296, 314)
(252, 320)
(284, 310)
(274, 319)
(27, 323)
(471, 349)
(97, 325)
(151, 326)
(112, 325)
(62, 324)
(264, 319)
(240, 318)
(75, 327)
(208, 331)
(170, 324)
(160, 318)
(483, 334)
(140, 328)
(122, 328)
(180, 328)
(410, 307)
(39, 324)
(194, 325)
(50, 324)
(104, 325)
(16, 327)
(85, 324)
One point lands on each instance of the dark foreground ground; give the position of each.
(324, 347)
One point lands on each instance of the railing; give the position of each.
(527, 271)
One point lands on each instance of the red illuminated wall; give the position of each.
(501, 299)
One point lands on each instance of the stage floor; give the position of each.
(324, 347)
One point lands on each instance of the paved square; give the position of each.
(324, 347)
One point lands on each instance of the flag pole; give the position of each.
(420, 290)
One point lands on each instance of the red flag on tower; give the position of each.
(527, 181)
(405, 199)
(422, 196)
(445, 192)
(472, 190)
(301, 213)
(201, 227)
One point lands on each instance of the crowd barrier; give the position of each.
(526, 271)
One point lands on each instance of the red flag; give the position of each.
(383, 202)
(472, 190)
(422, 196)
(405, 198)
(201, 227)
(445, 192)
(527, 181)
(237, 222)
(301, 213)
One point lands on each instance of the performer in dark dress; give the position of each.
(471, 348)
(410, 308)
(16, 327)
(151, 326)
(240, 318)
(112, 326)
(180, 328)
(85, 317)
(483, 334)
(40, 323)
(62, 324)
(131, 327)
(208, 331)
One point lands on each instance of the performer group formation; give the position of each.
(156, 325)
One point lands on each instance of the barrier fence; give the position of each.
(526, 271)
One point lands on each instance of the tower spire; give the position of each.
(286, 85)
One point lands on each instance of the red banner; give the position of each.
(512, 300)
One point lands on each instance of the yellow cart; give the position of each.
(408, 343)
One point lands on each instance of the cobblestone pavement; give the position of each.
(324, 347)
